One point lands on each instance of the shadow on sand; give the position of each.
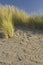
(24, 28)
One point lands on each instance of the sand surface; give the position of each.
(24, 48)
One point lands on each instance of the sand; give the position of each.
(24, 48)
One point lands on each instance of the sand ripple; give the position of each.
(25, 48)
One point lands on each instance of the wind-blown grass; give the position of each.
(19, 17)
(6, 22)
(35, 22)
(11, 16)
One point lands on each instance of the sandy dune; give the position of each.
(24, 48)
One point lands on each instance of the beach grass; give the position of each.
(36, 22)
(6, 21)
(11, 16)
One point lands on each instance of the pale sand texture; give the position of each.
(24, 48)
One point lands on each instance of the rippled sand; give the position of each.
(24, 48)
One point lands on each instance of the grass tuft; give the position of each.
(6, 22)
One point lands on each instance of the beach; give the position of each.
(24, 48)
